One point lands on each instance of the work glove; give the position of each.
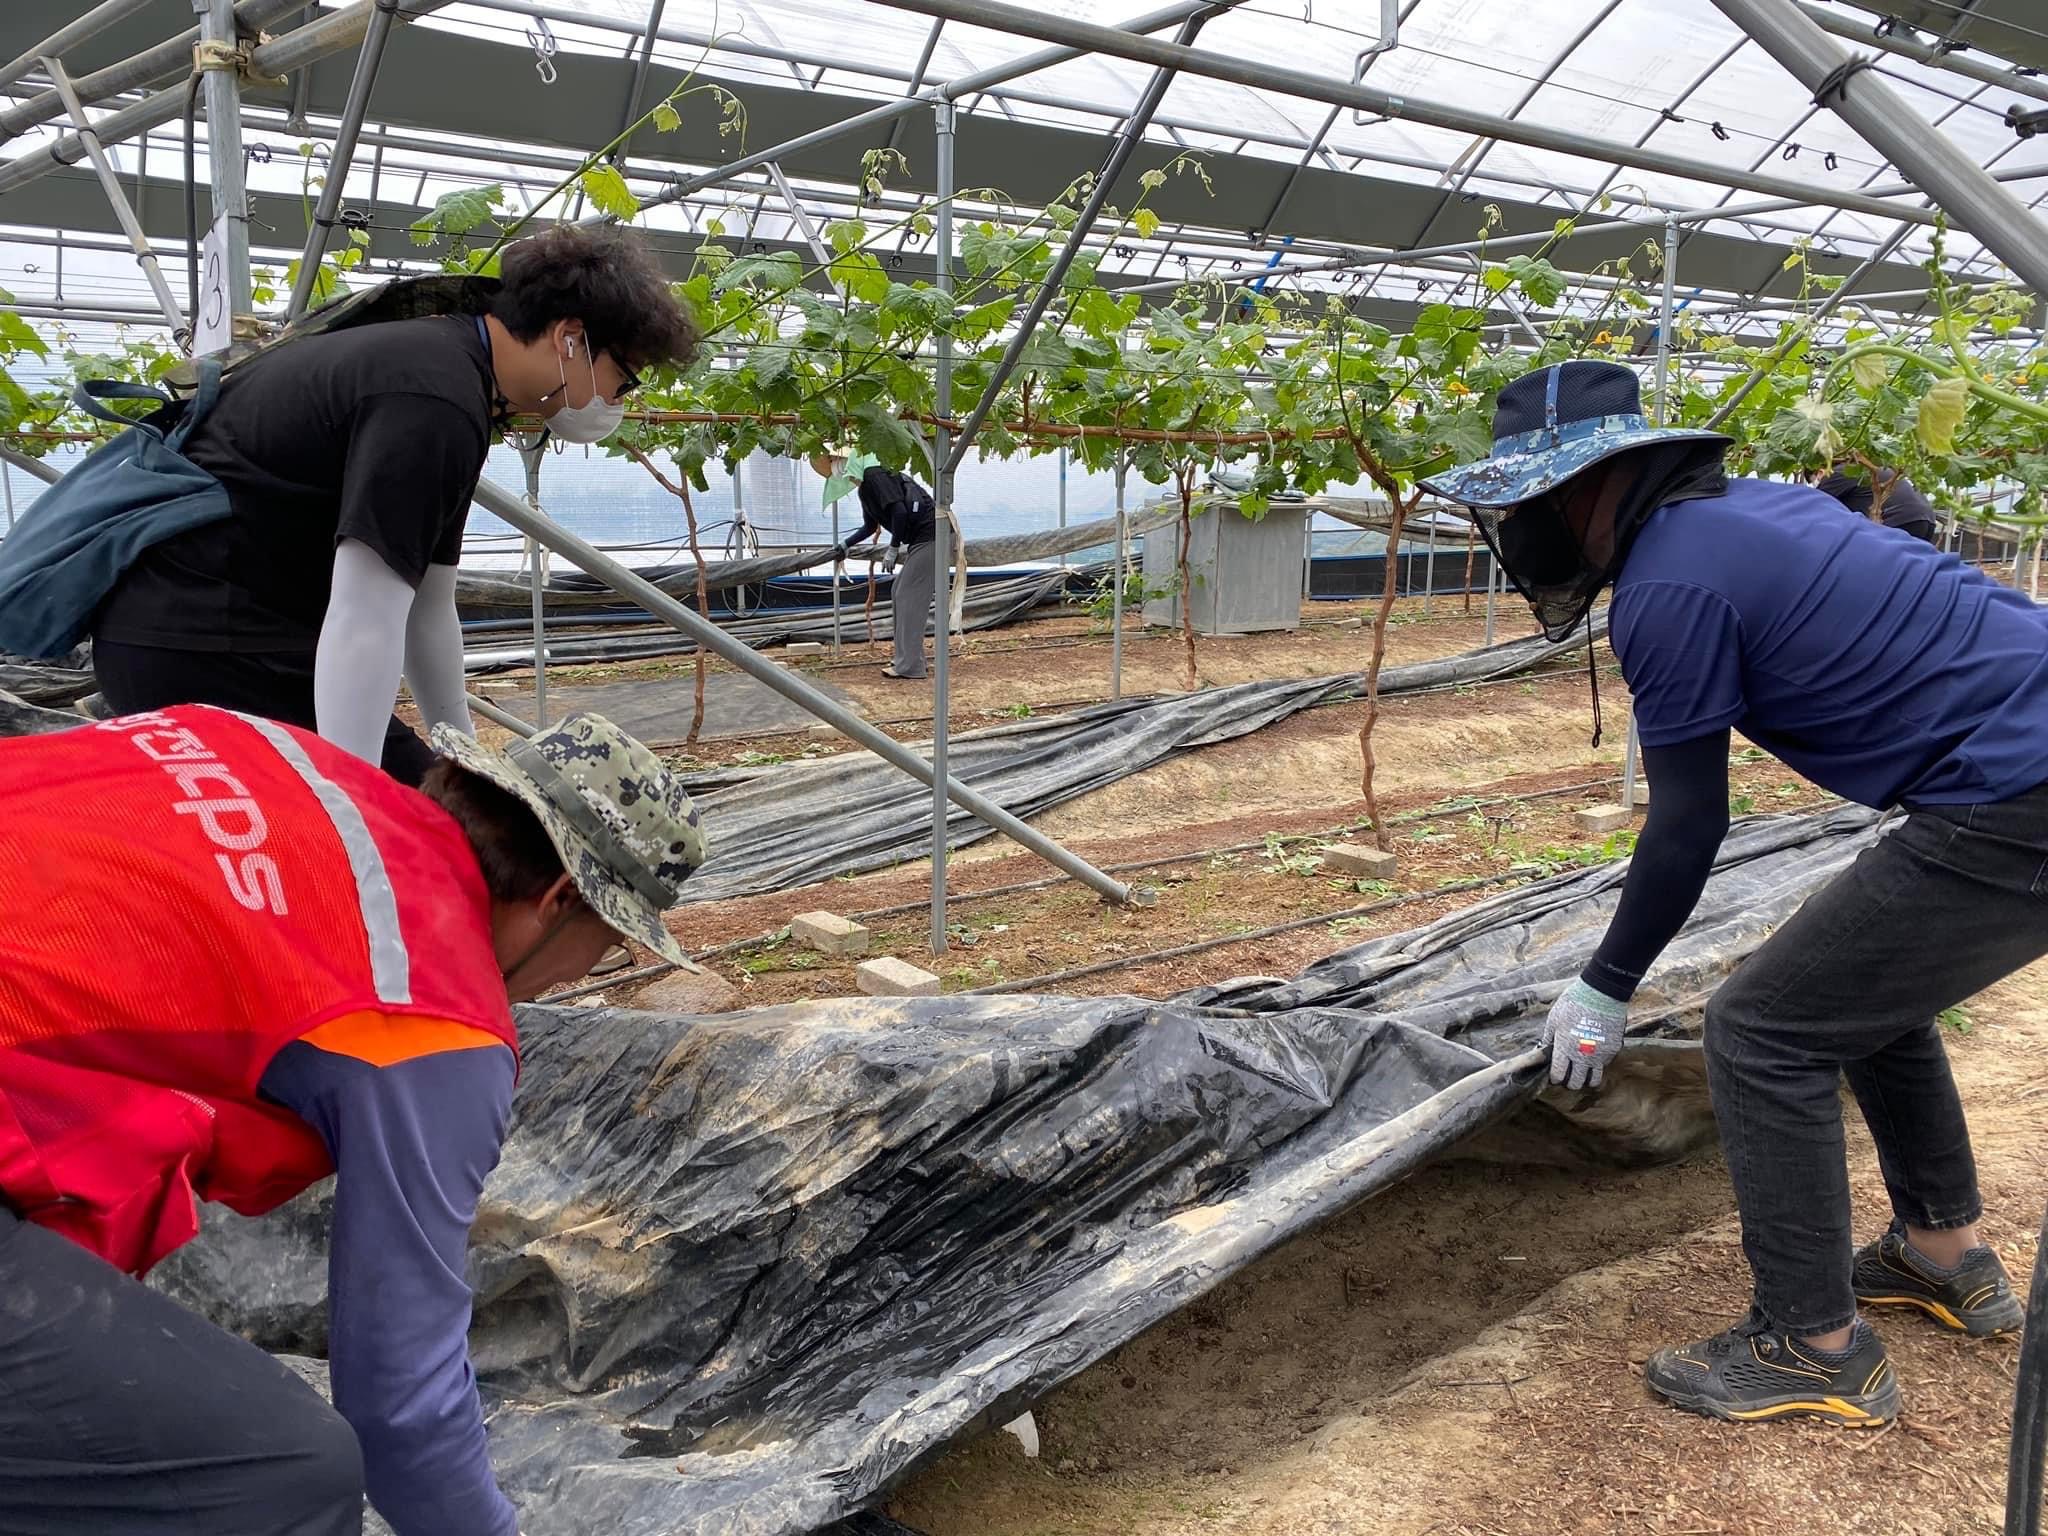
(890, 557)
(838, 553)
(1584, 1033)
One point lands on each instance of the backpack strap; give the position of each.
(91, 392)
(200, 406)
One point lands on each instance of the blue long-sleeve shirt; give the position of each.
(413, 1117)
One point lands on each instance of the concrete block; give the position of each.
(890, 977)
(829, 933)
(1601, 820)
(1642, 795)
(805, 648)
(1354, 859)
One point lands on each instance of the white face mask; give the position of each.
(591, 423)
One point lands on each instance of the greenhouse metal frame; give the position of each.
(1348, 180)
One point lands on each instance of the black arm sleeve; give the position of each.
(1688, 818)
(869, 523)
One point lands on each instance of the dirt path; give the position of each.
(1462, 1357)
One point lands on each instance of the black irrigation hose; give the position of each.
(1039, 983)
(2030, 1409)
(957, 898)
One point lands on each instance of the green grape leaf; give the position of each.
(778, 272)
(608, 192)
(667, 119)
(1869, 371)
(1941, 415)
(770, 364)
(1145, 222)
(458, 213)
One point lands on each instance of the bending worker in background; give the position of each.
(893, 502)
(1747, 605)
(349, 461)
(258, 962)
(1904, 507)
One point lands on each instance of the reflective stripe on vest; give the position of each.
(390, 963)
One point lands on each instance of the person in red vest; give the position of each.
(234, 959)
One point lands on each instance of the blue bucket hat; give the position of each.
(1550, 425)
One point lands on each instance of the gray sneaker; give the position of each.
(1974, 1298)
(1756, 1372)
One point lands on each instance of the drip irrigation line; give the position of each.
(1121, 962)
(1180, 951)
(955, 898)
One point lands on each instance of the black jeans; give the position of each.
(1949, 901)
(123, 1414)
(277, 686)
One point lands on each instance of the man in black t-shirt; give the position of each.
(894, 502)
(349, 460)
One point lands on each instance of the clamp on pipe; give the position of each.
(211, 56)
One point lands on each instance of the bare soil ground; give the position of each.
(1462, 1356)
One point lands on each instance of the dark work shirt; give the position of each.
(1875, 665)
(895, 502)
(412, 1143)
(376, 434)
(1904, 506)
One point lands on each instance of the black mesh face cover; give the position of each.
(1561, 572)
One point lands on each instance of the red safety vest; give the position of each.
(182, 895)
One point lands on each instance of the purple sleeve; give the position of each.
(412, 1144)
(1681, 653)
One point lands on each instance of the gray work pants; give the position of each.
(910, 600)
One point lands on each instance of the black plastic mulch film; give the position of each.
(737, 1276)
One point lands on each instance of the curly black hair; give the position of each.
(604, 276)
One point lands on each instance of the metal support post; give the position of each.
(223, 86)
(531, 458)
(1667, 317)
(942, 529)
(1631, 758)
(838, 569)
(631, 584)
(7, 486)
(1429, 568)
(1063, 498)
(35, 468)
(1116, 570)
(72, 33)
(342, 156)
(1957, 184)
(1492, 592)
(111, 185)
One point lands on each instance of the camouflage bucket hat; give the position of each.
(1550, 425)
(625, 828)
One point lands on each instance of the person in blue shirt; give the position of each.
(1885, 671)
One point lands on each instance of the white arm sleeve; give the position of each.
(362, 641)
(433, 653)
